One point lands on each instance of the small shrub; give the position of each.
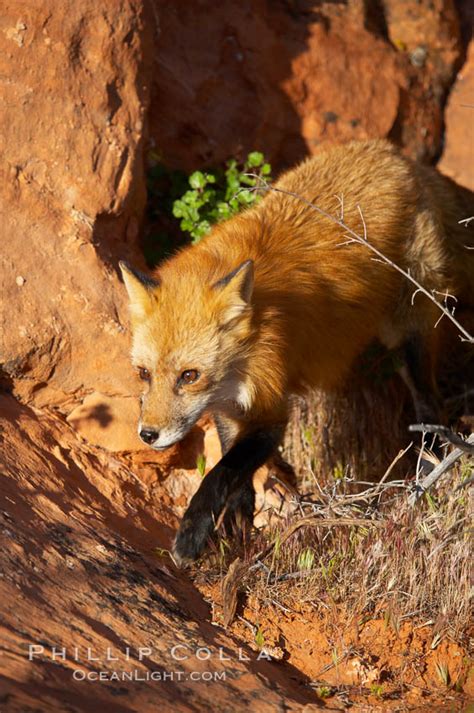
(217, 195)
(376, 689)
(182, 208)
(323, 692)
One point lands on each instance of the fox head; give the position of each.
(190, 338)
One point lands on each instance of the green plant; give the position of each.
(217, 195)
(376, 689)
(338, 472)
(323, 692)
(201, 464)
(443, 674)
(328, 571)
(306, 559)
(259, 638)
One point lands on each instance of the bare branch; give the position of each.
(465, 336)
(445, 465)
(414, 295)
(439, 320)
(447, 433)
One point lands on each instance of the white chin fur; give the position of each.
(157, 447)
(167, 440)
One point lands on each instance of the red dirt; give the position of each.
(376, 664)
(80, 570)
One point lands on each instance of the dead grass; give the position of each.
(411, 562)
(370, 554)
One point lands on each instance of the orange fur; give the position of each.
(316, 302)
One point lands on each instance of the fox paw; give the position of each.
(192, 538)
(198, 525)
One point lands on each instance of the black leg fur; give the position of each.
(417, 372)
(227, 432)
(227, 484)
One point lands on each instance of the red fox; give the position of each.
(275, 301)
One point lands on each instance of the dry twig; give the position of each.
(354, 237)
(447, 433)
(445, 465)
(230, 588)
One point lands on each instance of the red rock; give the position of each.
(108, 422)
(284, 77)
(72, 181)
(457, 160)
(81, 572)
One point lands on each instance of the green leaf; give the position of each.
(246, 198)
(208, 196)
(255, 159)
(178, 209)
(223, 210)
(204, 227)
(306, 559)
(233, 184)
(200, 230)
(196, 203)
(248, 180)
(186, 225)
(197, 180)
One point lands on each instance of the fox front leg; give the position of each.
(229, 484)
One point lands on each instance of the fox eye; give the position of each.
(189, 376)
(144, 374)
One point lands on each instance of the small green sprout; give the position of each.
(376, 689)
(323, 692)
(201, 464)
(306, 559)
(259, 638)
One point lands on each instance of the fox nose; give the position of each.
(148, 435)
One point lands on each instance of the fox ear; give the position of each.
(237, 288)
(140, 289)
